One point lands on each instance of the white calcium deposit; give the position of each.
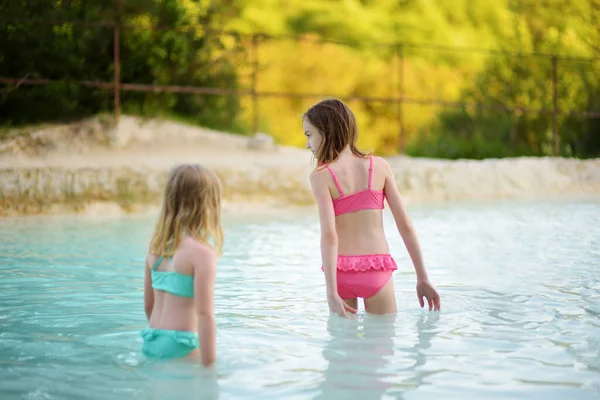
(93, 166)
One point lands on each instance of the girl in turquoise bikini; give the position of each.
(181, 268)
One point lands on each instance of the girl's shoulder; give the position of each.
(380, 163)
(319, 170)
(195, 248)
(151, 260)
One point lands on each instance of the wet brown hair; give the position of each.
(191, 205)
(337, 124)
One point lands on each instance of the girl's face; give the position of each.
(313, 136)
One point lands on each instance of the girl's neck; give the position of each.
(346, 152)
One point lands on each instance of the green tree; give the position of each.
(524, 82)
(162, 42)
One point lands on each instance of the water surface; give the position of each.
(520, 287)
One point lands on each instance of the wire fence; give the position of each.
(251, 45)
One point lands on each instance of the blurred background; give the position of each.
(450, 79)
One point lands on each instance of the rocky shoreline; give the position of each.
(78, 167)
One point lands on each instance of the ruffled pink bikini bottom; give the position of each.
(363, 275)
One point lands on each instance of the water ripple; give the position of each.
(520, 285)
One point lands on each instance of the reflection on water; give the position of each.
(520, 287)
(361, 356)
(426, 330)
(178, 380)
(357, 349)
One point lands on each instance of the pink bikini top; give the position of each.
(367, 199)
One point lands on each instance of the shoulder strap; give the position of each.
(370, 170)
(335, 179)
(158, 261)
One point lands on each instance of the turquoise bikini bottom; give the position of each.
(162, 343)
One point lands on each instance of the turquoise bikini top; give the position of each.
(172, 282)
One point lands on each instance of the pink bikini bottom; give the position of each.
(363, 276)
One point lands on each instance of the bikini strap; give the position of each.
(335, 179)
(370, 170)
(158, 261)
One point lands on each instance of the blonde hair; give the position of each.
(192, 206)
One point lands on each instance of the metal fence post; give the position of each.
(254, 83)
(555, 147)
(117, 61)
(399, 103)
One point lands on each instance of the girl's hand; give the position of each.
(339, 306)
(426, 289)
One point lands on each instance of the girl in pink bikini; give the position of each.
(349, 188)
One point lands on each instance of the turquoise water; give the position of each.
(520, 287)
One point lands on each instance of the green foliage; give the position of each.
(181, 54)
(457, 134)
(525, 82)
(360, 69)
(170, 42)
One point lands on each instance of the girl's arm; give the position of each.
(329, 238)
(205, 270)
(329, 241)
(409, 236)
(148, 292)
